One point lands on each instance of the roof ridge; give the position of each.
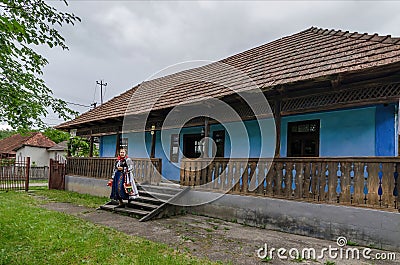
(161, 78)
(32, 134)
(388, 39)
(26, 142)
(283, 60)
(18, 140)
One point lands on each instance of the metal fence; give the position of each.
(39, 173)
(14, 174)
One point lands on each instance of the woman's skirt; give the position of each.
(118, 189)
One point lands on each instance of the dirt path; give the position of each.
(218, 240)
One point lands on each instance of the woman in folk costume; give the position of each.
(122, 182)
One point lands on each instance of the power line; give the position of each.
(77, 104)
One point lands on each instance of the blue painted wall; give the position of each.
(234, 132)
(385, 130)
(171, 170)
(107, 146)
(246, 141)
(354, 132)
(366, 131)
(139, 144)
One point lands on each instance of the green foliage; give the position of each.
(267, 259)
(7, 162)
(55, 135)
(6, 133)
(80, 147)
(33, 235)
(351, 243)
(24, 96)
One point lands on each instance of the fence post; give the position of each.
(27, 167)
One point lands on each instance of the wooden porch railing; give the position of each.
(360, 181)
(145, 170)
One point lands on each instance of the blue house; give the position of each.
(331, 94)
(305, 121)
(322, 104)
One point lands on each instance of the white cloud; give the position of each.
(5, 126)
(124, 42)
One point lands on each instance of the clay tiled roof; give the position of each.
(11, 144)
(59, 147)
(305, 55)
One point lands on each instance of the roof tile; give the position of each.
(11, 144)
(305, 55)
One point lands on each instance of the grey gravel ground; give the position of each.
(215, 239)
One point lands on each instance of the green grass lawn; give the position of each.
(44, 181)
(71, 197)
(33, 235)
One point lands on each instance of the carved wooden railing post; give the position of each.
(370, 181)
(396, 186)
(144, 169)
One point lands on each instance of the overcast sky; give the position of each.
(125, 42)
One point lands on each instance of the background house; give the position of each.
(33, 144)
(58, 150)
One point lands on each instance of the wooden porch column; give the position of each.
(117, 145)
(69, 147)
(153, 142)
(91, 146)
(278, 126)
(206, 135)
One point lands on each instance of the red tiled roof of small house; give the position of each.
(11, 144)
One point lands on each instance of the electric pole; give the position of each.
(101, 90)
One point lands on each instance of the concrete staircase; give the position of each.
(151, 203)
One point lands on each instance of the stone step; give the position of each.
(160, 189)
(135, 204)
(151, 202)
(133, 211)
(148, 199)
(108, 207)
(156, 195)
